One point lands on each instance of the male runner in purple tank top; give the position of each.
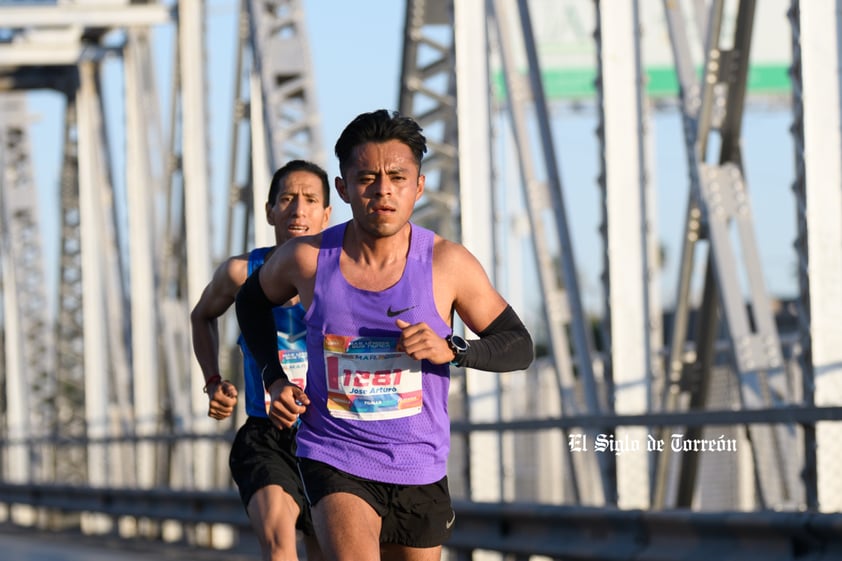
(380, 294)
(262, 458)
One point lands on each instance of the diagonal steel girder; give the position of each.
(283, 112)
(718, 206)
(563, 309)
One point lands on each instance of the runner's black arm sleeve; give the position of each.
(503, 346)
(257, 324)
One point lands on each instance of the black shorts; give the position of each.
(412, 515)
(263, 455)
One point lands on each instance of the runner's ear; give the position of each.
(339, 183)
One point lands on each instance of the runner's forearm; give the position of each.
(206, 345)
(257, 324)
(503, 346)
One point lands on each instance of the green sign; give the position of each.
(661, 82)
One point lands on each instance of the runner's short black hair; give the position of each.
(298, 165)
(380, 126)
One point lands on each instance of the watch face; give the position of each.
(459, 345)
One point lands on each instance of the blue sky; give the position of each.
(356, 47)
(356, 52)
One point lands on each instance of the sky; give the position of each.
(356, 52)
(356, 49)
(356, 70)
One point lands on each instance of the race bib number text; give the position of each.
(368, 379)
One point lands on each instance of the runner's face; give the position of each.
(382, 185)
(299, 208)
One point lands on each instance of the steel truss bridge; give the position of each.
(101, 395)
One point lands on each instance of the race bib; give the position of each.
(368, 379)
(294, 364)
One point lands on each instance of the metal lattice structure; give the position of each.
(718, 205)
(119, 352)
(427, 92)
(284, 119)
(29, 363)
(276, 118)
(114, 366)
(70, 372)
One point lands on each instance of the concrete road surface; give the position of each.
(17, 544)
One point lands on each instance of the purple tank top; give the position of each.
(375, 413)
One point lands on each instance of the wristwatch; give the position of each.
(459, 347)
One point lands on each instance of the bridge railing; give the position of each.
(520, 530)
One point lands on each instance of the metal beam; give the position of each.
(816, 92)
(96, 357)
(719, 209)
(29, 382)
(191, 34)
(545, 204)
(51, 55)
(475, 190)
(428, 94)
(142, 185)
(102, 14)
(285, 121)
(70, 373)
(633, 341)
(553, 531)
